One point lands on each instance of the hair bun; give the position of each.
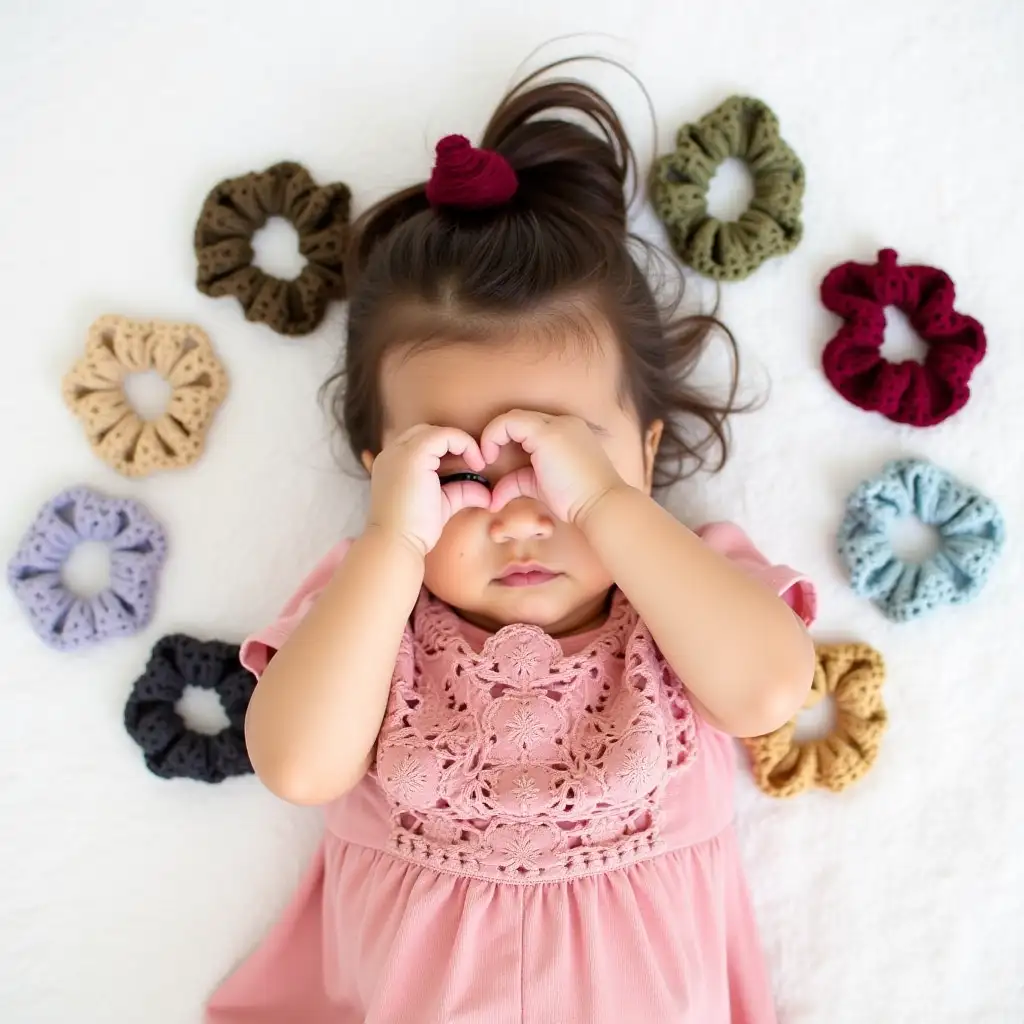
(570, 167)
(468, 178)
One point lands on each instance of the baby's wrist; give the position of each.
(602, 505)
(397, 541)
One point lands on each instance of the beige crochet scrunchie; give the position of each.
(853, 675)
(94, 391)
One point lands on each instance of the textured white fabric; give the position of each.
(125, 898)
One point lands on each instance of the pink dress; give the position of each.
(546, 838)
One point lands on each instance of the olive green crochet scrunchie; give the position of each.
(731, 250)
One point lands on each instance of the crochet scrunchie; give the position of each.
(172, 749)
(968, 523)
(921, 394)
(94, 391)
(137, 548)
(729, 251)
(852, 674)
(237, 208)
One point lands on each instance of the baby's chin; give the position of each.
(557, 607)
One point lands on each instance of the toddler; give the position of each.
(514, 693)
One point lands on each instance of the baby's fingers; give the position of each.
(520, 484)
(518, 427)
(464, 494)
(437, 442)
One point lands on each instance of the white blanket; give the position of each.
(124, 898)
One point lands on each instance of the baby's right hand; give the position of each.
(406, 496)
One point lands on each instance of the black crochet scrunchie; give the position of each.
(172, 749)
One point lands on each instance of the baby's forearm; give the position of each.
(740, 650)
(316, 712)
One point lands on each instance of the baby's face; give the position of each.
(466, 386)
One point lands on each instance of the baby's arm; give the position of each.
(316, 712)
(317, 709)
(744, 656)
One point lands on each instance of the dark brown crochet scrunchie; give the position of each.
(237, 208)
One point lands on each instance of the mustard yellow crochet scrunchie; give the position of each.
(853, 675)
(746, 129)
(94, 391)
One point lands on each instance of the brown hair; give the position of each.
(560, 248)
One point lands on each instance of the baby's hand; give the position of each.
(406, 496)
(569, 470)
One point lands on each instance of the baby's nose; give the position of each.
(522, 519)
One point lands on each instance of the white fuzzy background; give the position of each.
(124, 898)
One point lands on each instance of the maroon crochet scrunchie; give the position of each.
(921, 394)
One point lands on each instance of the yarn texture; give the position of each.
(468, 178)
(94, 391)
(746, 129)
(137, 545)
(852, 675)
(173, 750)
(237, 208)
(969, 525)
(921, 394)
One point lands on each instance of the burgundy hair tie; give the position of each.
(468, 178)
(921, 394)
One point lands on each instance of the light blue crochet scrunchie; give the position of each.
(969, 525)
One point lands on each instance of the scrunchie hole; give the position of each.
(902, 343)
(202, 710)
(276, 249)
(731, 190)
(913, 541)
(148, 393)
(86, 572)
(817, 722)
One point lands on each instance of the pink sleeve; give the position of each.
(259, 648)
(793, 587)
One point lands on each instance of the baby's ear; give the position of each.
(652, 441)
(367, 461)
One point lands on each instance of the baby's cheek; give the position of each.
(456, 564)
(585, 564)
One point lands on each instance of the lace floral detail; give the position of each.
(521, 762)
(407, 775)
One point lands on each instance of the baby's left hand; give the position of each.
(569, 470)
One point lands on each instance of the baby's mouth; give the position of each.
(530, 574)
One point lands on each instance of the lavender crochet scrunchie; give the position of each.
(137, 547)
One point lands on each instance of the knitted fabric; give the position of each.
(852, 674)
(94, 392)
(921, 394)
(172, 749)
(969, 525)
(237, 208)
(729, 251)
(137, 547)
(468, 178)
